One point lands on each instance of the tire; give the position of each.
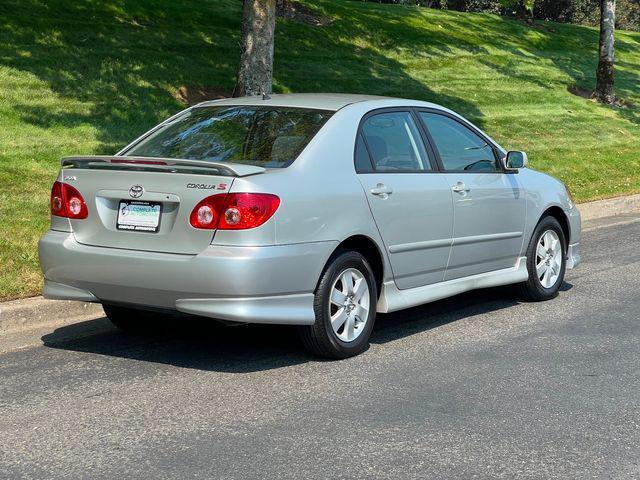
(539, 287)
(130, 319)
(343, 278)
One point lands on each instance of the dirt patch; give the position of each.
(301, 13)
(581, 92)
(588, 94)
(621, 102)
(193, 94)
(543, 27)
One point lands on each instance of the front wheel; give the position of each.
(546, 261)
(345, 308)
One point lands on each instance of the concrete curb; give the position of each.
(35, 312)
(609, 207)
(31, 313)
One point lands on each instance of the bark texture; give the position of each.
(255, 72)
(604, 80)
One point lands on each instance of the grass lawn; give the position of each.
(87, 76)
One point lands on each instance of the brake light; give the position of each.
(234, 211)
(206, 213)
(248, 210)
(140, 162)
(67, 202)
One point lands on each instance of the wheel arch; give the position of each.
(369, 249)
(558, 213)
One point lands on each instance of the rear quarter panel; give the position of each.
(321, 197)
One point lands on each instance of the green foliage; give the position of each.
(628, 14)
(488, 6)
(518, 4)
(73, 86)
(585, 12)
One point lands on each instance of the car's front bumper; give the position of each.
(575, 234)
(271, 284)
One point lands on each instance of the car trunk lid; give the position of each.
(140, 203)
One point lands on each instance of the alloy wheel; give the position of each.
(349, 305)
(548, 259)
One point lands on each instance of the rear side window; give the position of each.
(255, 135)
(395, 143)
(460, 148)
(363, 161)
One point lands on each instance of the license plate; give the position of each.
(139, 216)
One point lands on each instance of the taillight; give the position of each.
(206, 213)
(67, 202)
(247, 210)
(234, 211)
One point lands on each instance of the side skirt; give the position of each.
(393, 299)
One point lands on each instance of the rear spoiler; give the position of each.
(109, 162)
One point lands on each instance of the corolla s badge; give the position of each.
(207, 186)
(136, 191)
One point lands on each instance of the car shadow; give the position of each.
(189, 342)
(393, 326)
(201, 344)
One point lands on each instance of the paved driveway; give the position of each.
(478, 386)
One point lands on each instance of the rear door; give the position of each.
(489, 204)
(411, 204)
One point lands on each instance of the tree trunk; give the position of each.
(604, 82)
(255, 72)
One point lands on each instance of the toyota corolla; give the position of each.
(310, 210)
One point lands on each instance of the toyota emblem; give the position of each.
(136, 191)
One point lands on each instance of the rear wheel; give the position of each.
(345, 308)
(130, 319)
(546, 261)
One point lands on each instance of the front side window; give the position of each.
(460, 148)
(255, 135)
(394, 142)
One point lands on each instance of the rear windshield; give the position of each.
(262, 136)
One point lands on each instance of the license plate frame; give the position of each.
(140, 219)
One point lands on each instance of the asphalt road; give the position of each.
(478, 386)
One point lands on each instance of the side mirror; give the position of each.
(516, 160)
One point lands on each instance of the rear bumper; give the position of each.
(272, 284)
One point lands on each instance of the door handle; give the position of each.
(381, 190)
(460, 187)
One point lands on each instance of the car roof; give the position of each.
(320, 101)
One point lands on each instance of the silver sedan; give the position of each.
(308, 210)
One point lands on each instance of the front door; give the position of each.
(489, 204)
(411, 203)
